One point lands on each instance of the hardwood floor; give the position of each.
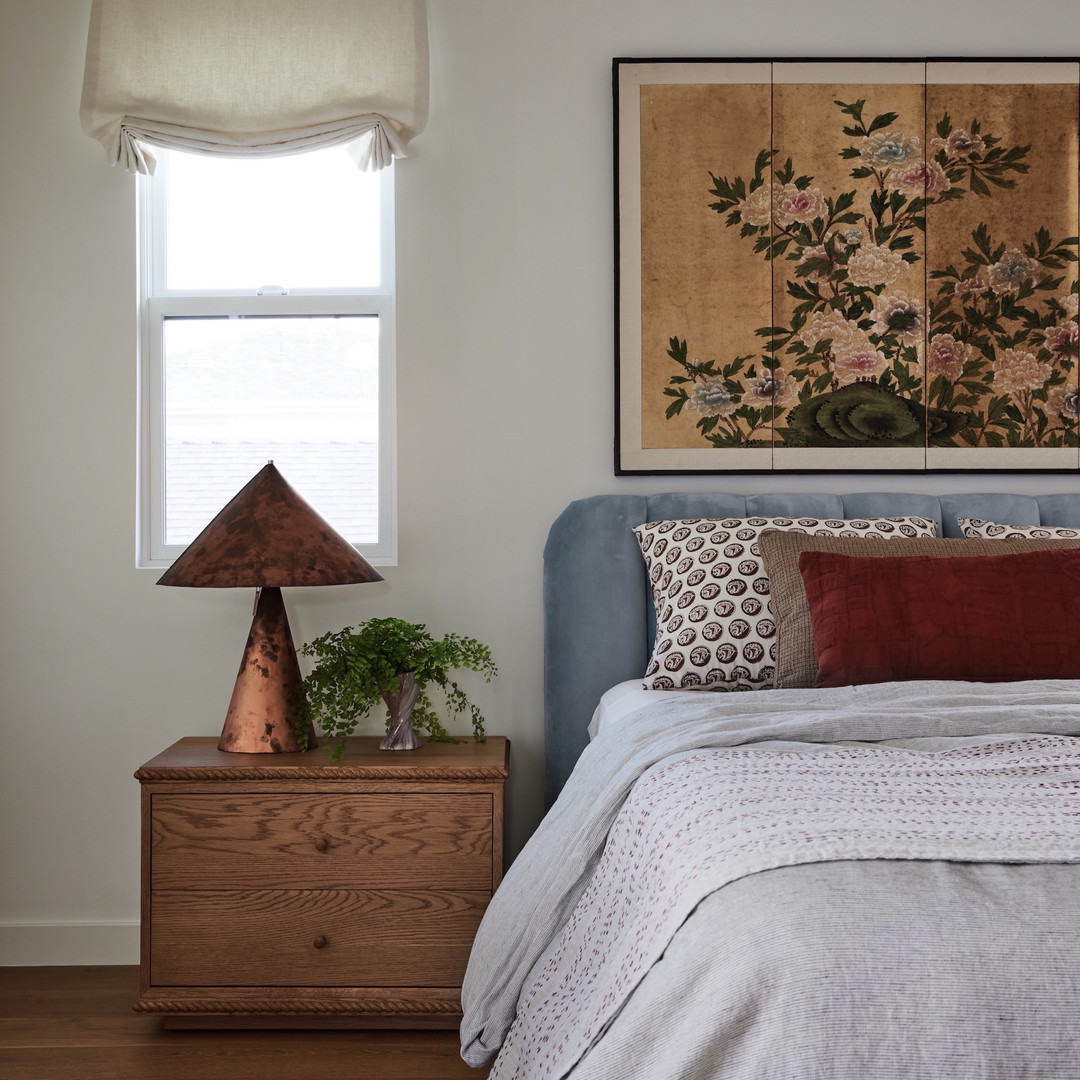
(76, 1023)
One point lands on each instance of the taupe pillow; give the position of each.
(796, 660)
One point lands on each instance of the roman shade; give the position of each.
(248, 78)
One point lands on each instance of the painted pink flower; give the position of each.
(925, 178)
(863, 364)
(1064, 340)
(947, 356)
(802, 206)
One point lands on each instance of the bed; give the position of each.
(874, 877)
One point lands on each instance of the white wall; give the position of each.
(505, 402)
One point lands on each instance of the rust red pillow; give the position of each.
(982, 618)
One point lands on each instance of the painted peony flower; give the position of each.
(959, 144)
(889, 149)
(1064, 340)
(802, 206)
(711, 399)
(925, 178)
(1069, 303)
(947, 356)
(1011, 271)
(818, 252)
(772, 388)
(1016, 370)
(832, 326)
(757, 207)
(1065, 401)
(898, 314)
(874, 265)
(863, 364)
(971, 285)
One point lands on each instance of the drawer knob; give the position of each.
(320, 942)
(322, 844)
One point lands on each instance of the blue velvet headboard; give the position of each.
(597, 607)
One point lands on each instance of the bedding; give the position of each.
(990, 618)
(844, 882)
(623, 700)
(714, 621)
(988, 530)
(796, 660)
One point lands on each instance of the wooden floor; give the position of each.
(76, 1023)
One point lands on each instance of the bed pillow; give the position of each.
(980, 528)
(796, 662)
(714, 623)
(983, 618)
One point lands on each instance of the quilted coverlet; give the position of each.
(687, 798)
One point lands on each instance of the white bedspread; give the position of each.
(940, 778)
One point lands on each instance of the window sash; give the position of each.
(157, 303)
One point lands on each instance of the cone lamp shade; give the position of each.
(267, 538)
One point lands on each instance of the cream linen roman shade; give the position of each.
(248, 78)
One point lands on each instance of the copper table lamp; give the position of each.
(267, 537)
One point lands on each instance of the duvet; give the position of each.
(857, 882)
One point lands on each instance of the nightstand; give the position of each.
(288, 890)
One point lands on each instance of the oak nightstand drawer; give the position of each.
(299, 841)
(313, 937)
(296, 890)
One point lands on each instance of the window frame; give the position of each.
(157, 302)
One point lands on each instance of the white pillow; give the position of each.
(715, 628)
(981, 529)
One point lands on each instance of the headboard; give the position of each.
(598, 617)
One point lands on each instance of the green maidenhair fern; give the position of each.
(353, 666)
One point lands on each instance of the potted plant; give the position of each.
(395, 661)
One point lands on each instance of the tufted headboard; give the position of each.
(598, 617)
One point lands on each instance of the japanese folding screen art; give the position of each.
(848, 265)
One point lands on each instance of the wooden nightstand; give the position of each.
(287, 890)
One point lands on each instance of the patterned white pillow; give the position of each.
(715, 628)
(981, 529)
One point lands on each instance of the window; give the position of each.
(266, 319)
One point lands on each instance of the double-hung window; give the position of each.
(266, 334)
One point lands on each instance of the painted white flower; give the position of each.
(802, 206)
(874, 265)
(947, 356)
(1016, 370)
(898, 314)
(960, 143)
(832, 326)
(1010, 271)
(772, 388)
(862, 364)
(757, 207)
(1065, 401)
(922, 178)
(1069, 303)
(889, 149)
(711, 399)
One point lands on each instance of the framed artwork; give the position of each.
(847, 265)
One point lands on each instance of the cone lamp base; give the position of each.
(268, 693)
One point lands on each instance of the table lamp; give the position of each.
(267, 537)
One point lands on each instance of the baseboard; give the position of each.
(38, 944)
